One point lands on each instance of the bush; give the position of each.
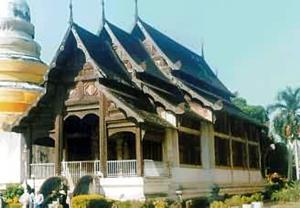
(13, 193)
(85, 186)
(218, 204)
(90, 201)
(237, 200)
(200, 202)
(129, 204)
(275, 183)
(291, 193)
(153, 203)
(14, 205)
(54, 189)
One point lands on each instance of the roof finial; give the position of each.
(103, 13)
(71, 12)
(136, 10)
(202, 49)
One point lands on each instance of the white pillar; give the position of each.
(296, 158)
(12, 158)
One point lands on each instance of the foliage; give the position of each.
(218, 204)
(199, 202)
(160, 204)
(291, 193)
(90, 201)
(286, 122)
(14, 205)
(129, 204)
(54, 189)
(85, 186)
(13, 193)
(258, 113)
(257, 197)
(214, 193)
(287, 107)
(237, 200)
(275, 183)
(155, 203)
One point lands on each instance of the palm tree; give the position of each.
(286, 123)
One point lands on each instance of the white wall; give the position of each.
(11, 158)
(123, 188)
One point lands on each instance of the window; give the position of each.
(252, 132)
(190, 149)
(237, 128)
(152, 150)
(152, 146)
(239, 154)
(221, 124)
(254, 156)
(222, 152)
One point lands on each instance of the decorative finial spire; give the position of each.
(136, 10)
(202, 50)
(103, 13)
(71, 12)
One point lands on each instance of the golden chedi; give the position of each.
(21, 70)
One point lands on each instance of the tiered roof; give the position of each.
(129, 74)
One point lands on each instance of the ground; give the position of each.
(283, 205)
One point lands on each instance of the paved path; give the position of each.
(286, 205)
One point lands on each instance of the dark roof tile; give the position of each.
(191, 63)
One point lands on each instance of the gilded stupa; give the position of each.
(21, 69)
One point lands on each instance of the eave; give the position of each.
(139, 69)
(173, 66)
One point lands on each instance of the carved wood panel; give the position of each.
(113, 112)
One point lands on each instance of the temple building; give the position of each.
(142, 112)
(21, 73)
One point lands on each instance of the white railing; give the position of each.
(120, 168)
(42, 170)
(155, 169)
(75, 170)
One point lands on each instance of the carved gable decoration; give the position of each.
(87, 71)
(77, 92)
(124, 57)
(82, 90)
(160, 62)
(150, 48)
(90, 89)
(201, 111)
(113, 112)
(128, 65)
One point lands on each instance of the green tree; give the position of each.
(258, 113)
(286, 123)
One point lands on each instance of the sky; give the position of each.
(252, 45)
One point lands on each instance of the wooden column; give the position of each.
(259, 137)
(58, 132)
(58, 135)
(139, 152)
(103, 135)
(207, 145)
(171, 147)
